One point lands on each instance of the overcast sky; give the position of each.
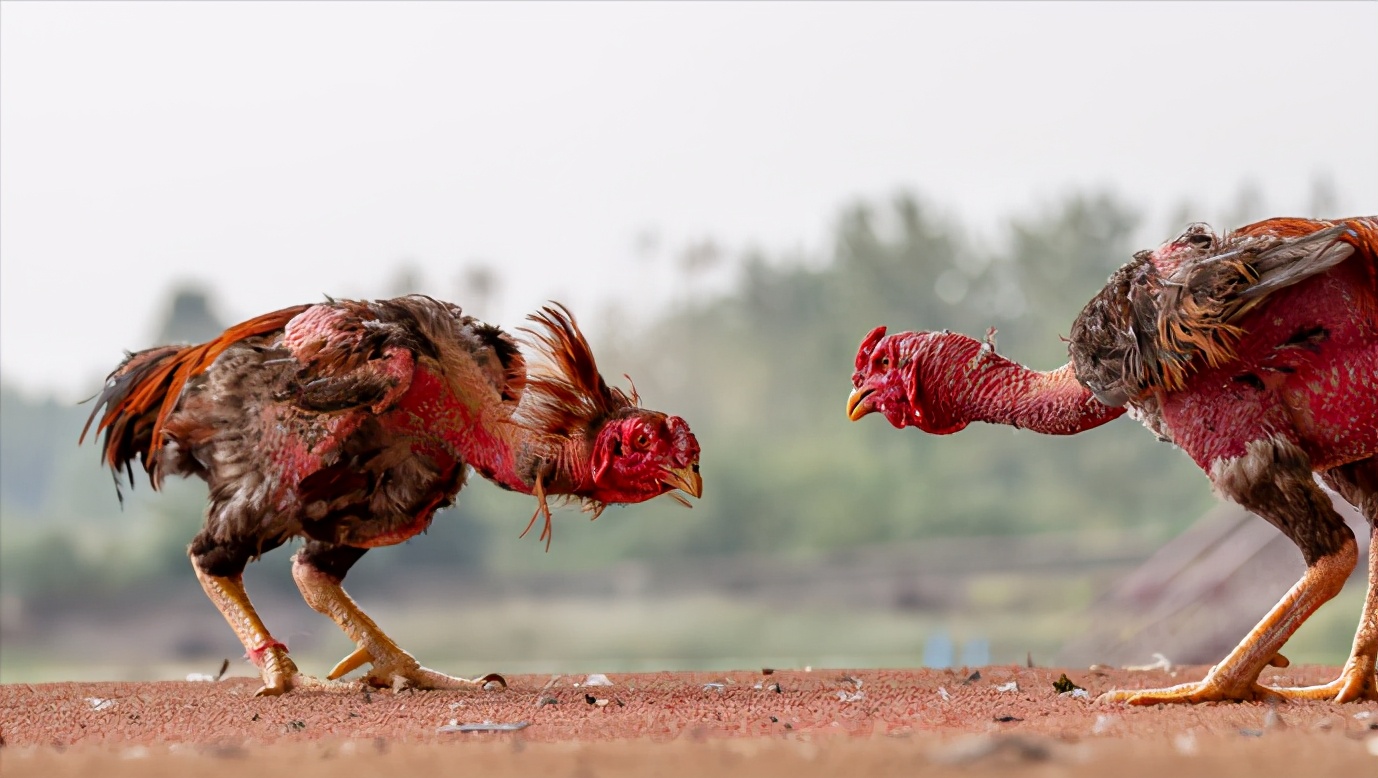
(277, 152)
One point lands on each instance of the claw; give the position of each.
(273, 690)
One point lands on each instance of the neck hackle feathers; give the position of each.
(565, 396)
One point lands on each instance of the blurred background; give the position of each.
(729, 196)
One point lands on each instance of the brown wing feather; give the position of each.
(141, 393)
(1166, 312)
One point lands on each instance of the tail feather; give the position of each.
(143, 391)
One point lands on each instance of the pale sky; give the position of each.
(277, 152)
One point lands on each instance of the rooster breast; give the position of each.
(1306, 370)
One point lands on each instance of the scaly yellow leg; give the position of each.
(1236, 677)
(1357, 680)
(279, 672)
(391, 665)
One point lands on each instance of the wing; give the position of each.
(355, 354)
(347, 358)
(1166, 313)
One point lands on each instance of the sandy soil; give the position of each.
(789, 723)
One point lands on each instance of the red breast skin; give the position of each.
(1306, 371)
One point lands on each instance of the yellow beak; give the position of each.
(686, 479)
(856, 404)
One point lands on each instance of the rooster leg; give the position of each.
(227, 592)
(1274, 480)
(219, 566)
(318, 570)
(1357, 483)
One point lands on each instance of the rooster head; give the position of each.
(626, 453)
(890, 379)
(641, 454)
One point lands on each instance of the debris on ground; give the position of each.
(1012, 686)
(973, 678)
(942, 692)
(224, 667)
(485, 726)
(1160, 662)
(98, 703)
(847, 696)
(1064, 685)
(597, 679)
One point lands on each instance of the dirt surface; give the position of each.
(787, 722)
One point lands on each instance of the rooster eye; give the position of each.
(641, 440)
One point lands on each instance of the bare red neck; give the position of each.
(514, 456)
(962, 380)
(510, 454)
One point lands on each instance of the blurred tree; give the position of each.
(189, 318)
(406, 280)
(479, 289)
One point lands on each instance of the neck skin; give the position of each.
(514, 456)
(964, 380)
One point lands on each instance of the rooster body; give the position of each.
(1256, 352)
(350, 423)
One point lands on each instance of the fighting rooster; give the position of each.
(349, 423)
(1256, 352)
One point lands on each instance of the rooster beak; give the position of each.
(686, 479)
(856, 404)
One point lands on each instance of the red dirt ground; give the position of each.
(824, 722)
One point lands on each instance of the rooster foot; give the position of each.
(273, 687)
(280, 675)
(402, 671)
(1356, 682)
(1208, 690)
